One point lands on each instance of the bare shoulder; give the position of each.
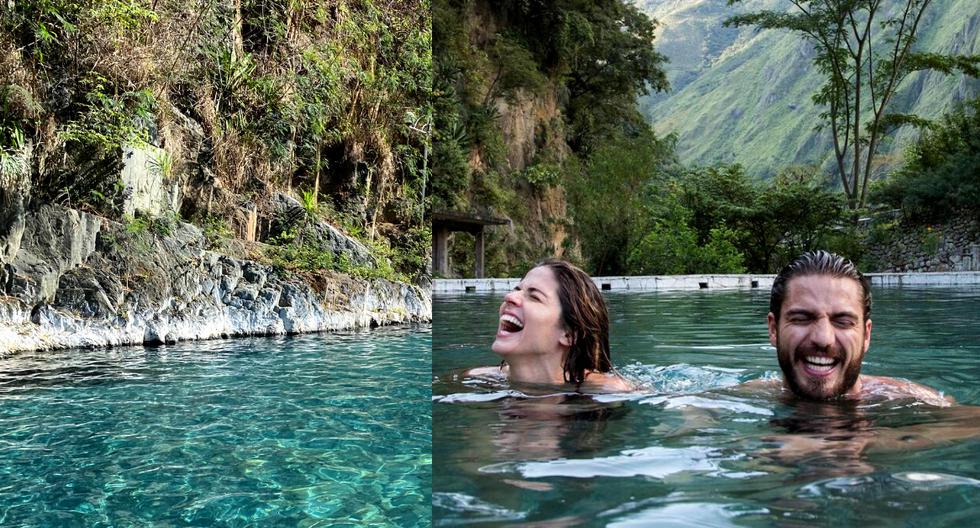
(902, 388)
(762, 383)
(493, 372)
(760, 386)
(606, 382)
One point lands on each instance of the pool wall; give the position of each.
(705, 282)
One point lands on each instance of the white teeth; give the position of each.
(512, 320)
(819, 360)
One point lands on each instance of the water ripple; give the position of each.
(315, 430)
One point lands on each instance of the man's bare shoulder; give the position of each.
(762, 383)
(760, 386)
(893, 388)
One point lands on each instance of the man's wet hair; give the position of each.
(818, 263)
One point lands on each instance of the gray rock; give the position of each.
(12, 224)
(93, 292)
(149, 189)
(254, 274)
(55, 240)
(288, 213)
(68, 291)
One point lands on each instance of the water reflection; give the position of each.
(529, 425)
(822, 439)
(550, 427)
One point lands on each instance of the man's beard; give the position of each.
(852, 370)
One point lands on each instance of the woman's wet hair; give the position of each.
(818, 263)
(586, 319)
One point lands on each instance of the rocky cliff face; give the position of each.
(532, 127)
(70, 279)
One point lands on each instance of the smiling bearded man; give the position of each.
(819, 322)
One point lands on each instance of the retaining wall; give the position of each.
(703, 282)
(950, 247)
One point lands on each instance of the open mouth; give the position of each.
(819, 365)
(510, 324)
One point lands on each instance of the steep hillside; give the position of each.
(223, 105)
(177, 170)
(524, 93)
(745, 97)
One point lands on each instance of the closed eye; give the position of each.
(797, 316)
(532, 293)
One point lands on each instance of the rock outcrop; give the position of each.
(286, 211)
(78, 280)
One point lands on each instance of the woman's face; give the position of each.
(530, 317)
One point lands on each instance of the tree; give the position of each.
(603, 53)
(939, 178)
(606, 199)
(864, 50)
(793, 213)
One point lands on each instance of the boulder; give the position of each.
(78, 280)
(55, 240)
(14, 189)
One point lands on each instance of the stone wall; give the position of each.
(954, 246)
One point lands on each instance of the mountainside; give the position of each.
(742, 96)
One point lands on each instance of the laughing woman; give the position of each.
(554, 330)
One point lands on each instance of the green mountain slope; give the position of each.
(744, 96)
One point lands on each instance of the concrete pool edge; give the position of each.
(705, 282)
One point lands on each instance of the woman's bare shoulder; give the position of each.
(607, 382)
(495, 372)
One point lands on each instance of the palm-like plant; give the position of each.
(307, 215)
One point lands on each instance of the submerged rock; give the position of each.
(80, 280)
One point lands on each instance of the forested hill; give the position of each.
(743, 96)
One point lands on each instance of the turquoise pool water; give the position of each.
(697, 451)
(314, 430)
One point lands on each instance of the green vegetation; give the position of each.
(939, 177)
(717, 220)
(245, 98)
(577, 67)
(631, 206)
(216, 231)
(595, 177)
(607, 198)
(310, 258)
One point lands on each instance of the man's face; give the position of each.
(821, 335)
